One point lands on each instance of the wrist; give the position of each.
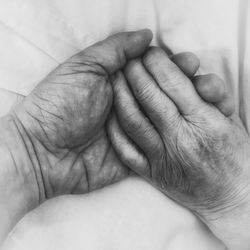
(19, 192)
(231, 223)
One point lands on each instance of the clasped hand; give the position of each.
(120, 106)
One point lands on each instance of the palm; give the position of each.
(81, 171)
(66, 115)
(64, 118)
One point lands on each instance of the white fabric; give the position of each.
(35, 36)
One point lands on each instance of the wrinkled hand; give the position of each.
(56, 138)
(62, 121)
(194, 151)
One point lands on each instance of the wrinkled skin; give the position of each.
(195, 152)
(62, 122)
(68, 114)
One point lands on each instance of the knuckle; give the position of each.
(171, 126)
(118, 55)
(174, 81)
(132, 124)
(157, 146)
(136, 125)
(219, 129)
(145, 93)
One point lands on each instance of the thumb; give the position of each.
(112, 53)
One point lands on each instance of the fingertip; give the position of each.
(213, 89)
(113, 52)
(210, 87)
(137, 42)
(227, 107)
(188, 62)
(146, 33)
(143, 36)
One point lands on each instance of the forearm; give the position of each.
(18, 189)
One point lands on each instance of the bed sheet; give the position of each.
(38, 35)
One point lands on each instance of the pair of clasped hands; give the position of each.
(121, 107)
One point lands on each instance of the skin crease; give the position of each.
(54, 142)
(189, 64)
(195, 152)
(61, 125)
(64, 122)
